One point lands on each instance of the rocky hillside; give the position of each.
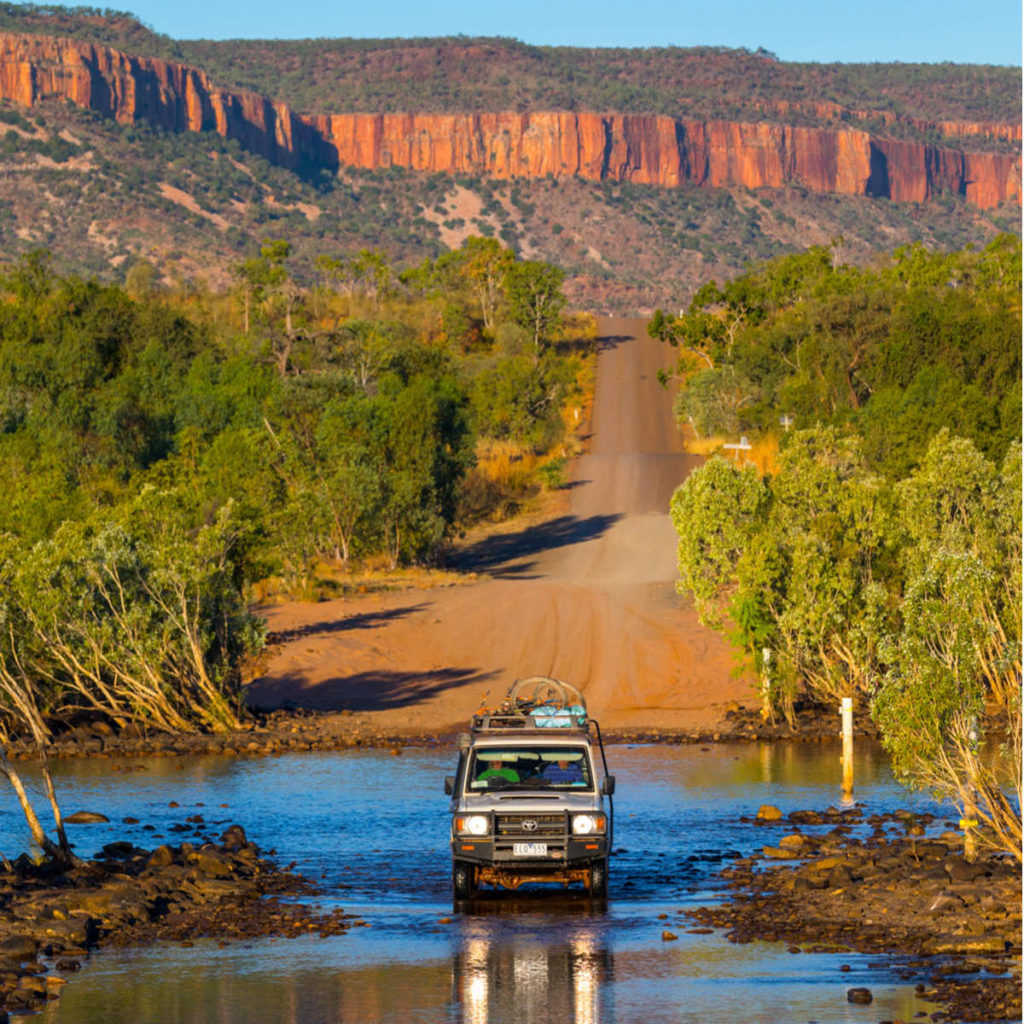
(645, 149)
(114, 155)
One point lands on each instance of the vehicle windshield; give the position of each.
(529, 768)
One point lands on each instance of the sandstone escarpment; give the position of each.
(646, 149)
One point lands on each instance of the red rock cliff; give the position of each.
(646, 149)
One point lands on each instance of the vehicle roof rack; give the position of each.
(535, 703)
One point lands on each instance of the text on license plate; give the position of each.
(530, 849)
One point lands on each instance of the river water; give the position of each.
(373, 829)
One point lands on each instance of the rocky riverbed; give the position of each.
(298, 729)
(892, 888)
(223, 889)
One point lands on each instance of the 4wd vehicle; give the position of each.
(529, 795)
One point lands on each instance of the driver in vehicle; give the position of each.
(498, 770)
(563, 771)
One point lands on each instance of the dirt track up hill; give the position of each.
(588, 596)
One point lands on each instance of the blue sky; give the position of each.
(932, 31)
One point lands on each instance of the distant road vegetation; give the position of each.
(880, 556)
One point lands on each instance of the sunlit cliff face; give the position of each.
(644, 149)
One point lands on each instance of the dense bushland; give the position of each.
(882, 556)
(162, 452)
(159, 453)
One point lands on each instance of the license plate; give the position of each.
(530, 849)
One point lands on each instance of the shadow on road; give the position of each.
(503, 555)
(608, 341)
(362, 691)
(366, 620)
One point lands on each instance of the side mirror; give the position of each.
(449, 784)
(608, 785)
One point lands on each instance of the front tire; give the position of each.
(463, 880)
(598, 881)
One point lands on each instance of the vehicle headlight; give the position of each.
(473, 825)
(587, 824)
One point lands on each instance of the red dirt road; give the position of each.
(588, 597)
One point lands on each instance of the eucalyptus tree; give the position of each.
(954, 657)
(535, 299)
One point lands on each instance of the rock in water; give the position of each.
(234, 838)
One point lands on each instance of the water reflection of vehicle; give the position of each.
(529, 794)
(499, 976)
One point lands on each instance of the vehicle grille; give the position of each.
(515, 825)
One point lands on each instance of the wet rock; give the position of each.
(18, 946)
(120, 850)
(68, 965)
(777, 853)
(805, 818)
(794, 842)
(75, 932)
(212, 863)
(946, 902)
(767, 812)
(971, 944)
(861, 996)
(54, 985)
(234, 838)
(86, 818)
(667, 936)
(960, 869)
(161, 857)
(33, 985)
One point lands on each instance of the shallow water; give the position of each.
(374, 829)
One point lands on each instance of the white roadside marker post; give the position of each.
(846, 710)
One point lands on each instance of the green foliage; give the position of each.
(894, 353)
(139, 614)
(517, 398)
(905, 594)
(883, 557)
(714, 513)
(156, 468)
(535, 299)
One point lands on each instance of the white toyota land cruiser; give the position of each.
(530, 800)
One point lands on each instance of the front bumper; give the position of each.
(574, 852)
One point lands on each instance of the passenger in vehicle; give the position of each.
(563, 771)
(498, 770)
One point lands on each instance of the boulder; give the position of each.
(212, 863)
(86, 818)
(33, 985)
(777, 853)
(960, 869)
(118, 850)
(18, 946)
(767, 812)
(234, 838)
(805, 818)
(860, 996)
(161, 857)
(944, 902)
(929, 849)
